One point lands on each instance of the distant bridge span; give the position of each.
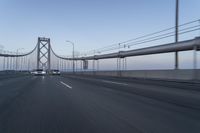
(45, 53)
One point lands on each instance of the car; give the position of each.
(38, 72)
(55, 72)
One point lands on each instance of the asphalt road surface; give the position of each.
(80, 104)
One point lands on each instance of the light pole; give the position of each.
(1, 48)
(2, 52)
(17, 57)
(176, 32)
(72, 53)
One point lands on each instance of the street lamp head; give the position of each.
(1, 46)
(69, 42)
(20, 49)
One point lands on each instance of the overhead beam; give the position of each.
(166, 48)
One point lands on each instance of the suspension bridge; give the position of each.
(86, 99)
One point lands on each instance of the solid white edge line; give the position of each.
(112, 82)
(66, 85)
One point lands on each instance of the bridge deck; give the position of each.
(80, 104)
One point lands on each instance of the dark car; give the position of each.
(55, 72)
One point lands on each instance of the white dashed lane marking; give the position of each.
(68, 86)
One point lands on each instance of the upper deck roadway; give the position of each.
(80, 104)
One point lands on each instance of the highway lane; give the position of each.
(76, 104)
(179, 93)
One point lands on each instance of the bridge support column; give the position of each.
(97, 65)
(7, 63)
(81, 65)
(93, 66)
(10, 63)
(68, 65)
(43, 54)
(65, 65)
(121, 65)
(195, 74)
(76, 66)
(49, 55)
(38, 53)
(195, 57)
(124, 63)
(28, 65)
(4, 61)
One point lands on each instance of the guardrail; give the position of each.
(186, 75)
(11, 74)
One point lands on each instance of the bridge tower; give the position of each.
(43, 53)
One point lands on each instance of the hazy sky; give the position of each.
(89, 24)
